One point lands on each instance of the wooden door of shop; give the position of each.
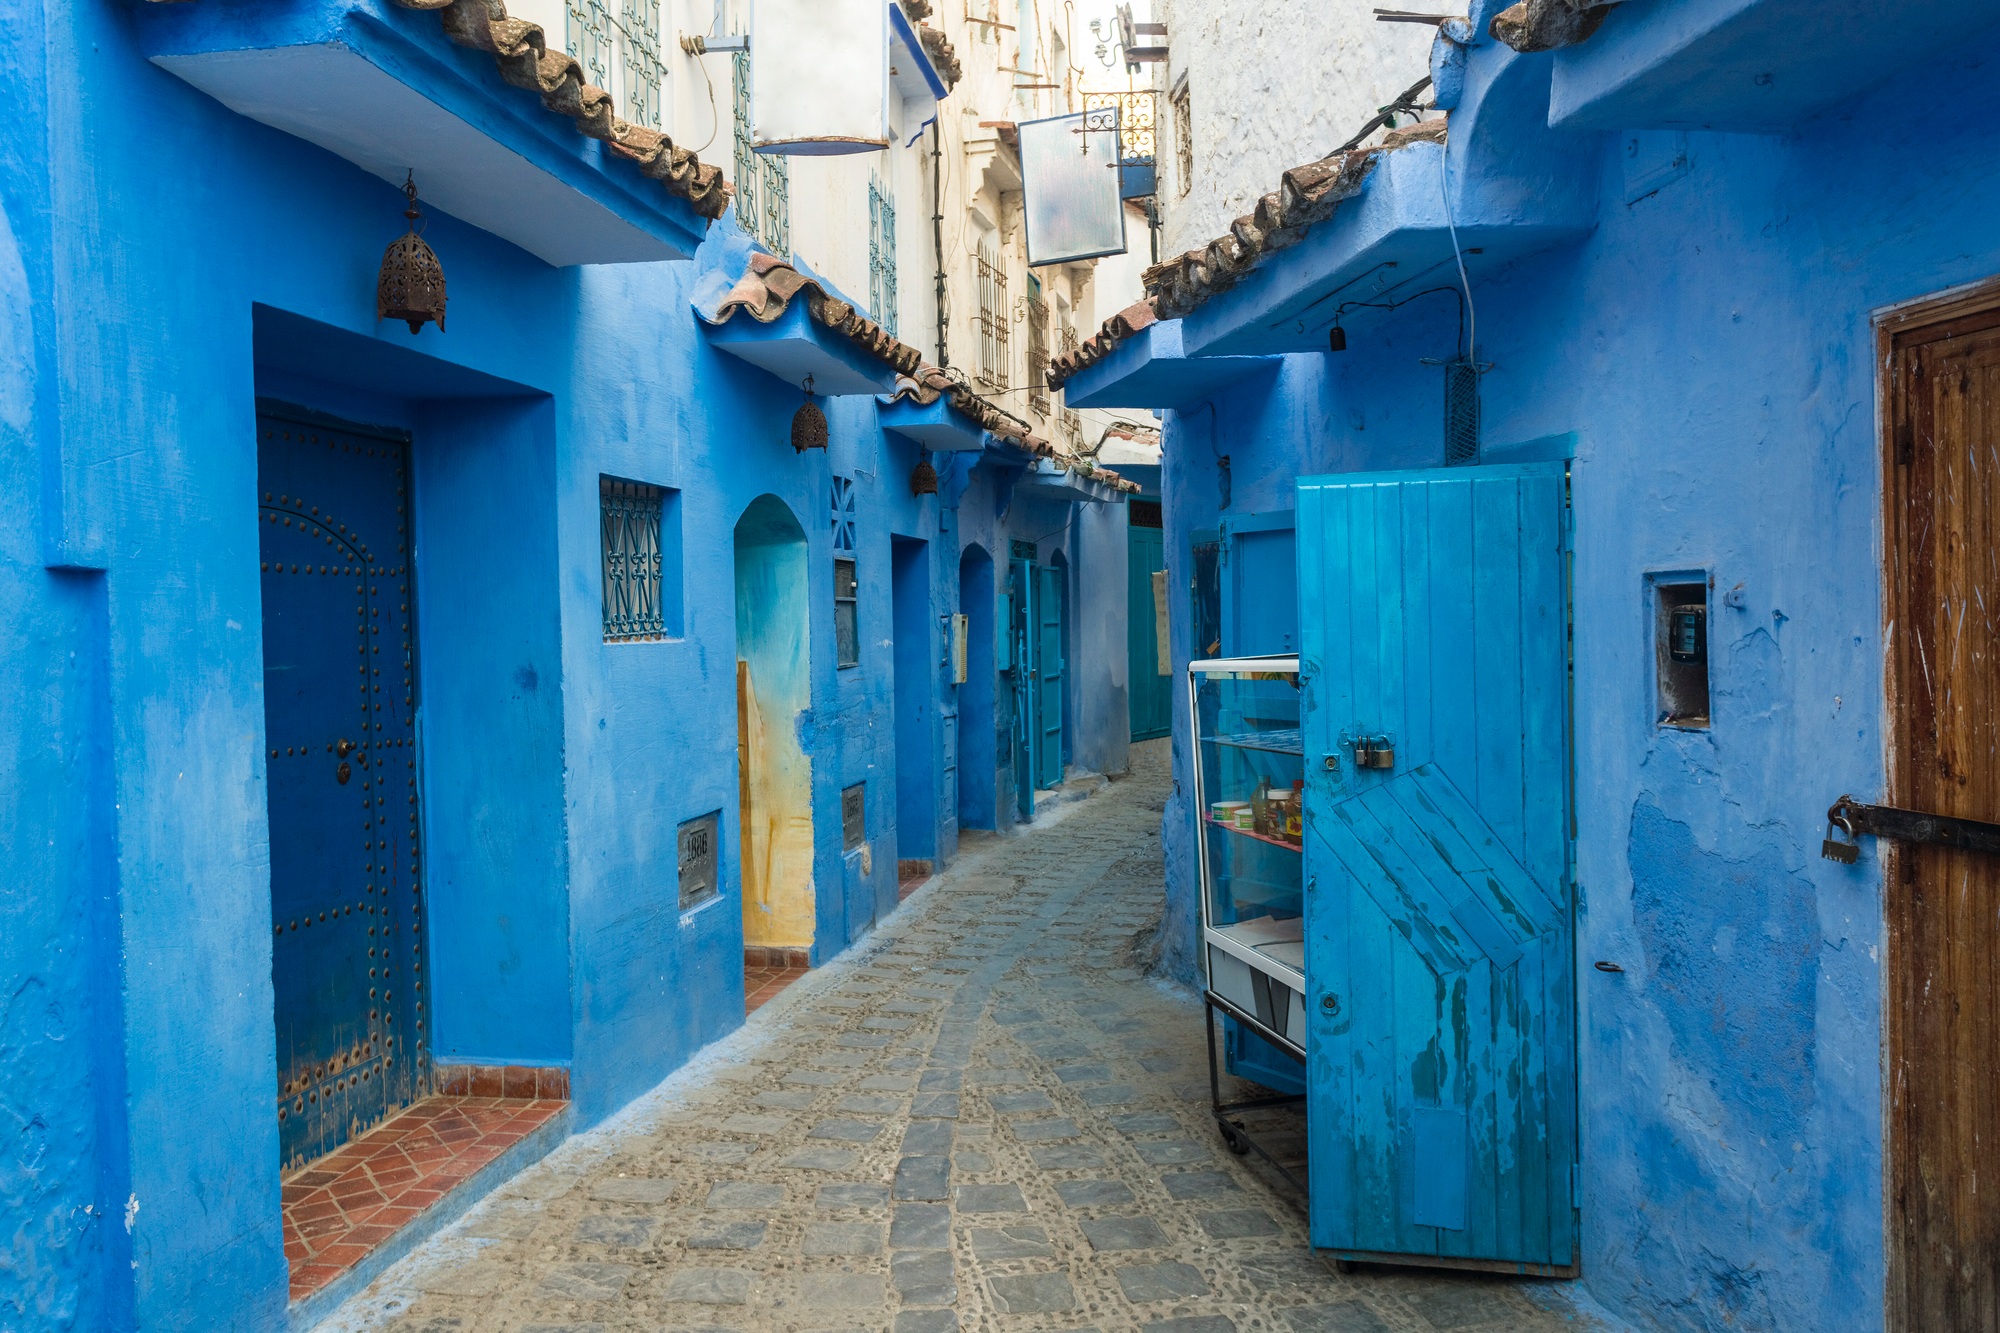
(1942, 616)
(341, 778)
(1441, 1086)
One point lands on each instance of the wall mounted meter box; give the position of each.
(1249, 769)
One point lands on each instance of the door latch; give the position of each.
(1888, 821)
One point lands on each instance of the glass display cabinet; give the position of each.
(1249, 771)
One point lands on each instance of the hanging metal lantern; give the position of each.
(411, 284)
(808, 423)
(923, 477)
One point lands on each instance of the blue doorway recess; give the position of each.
(347, 958)
(1441, 1074)
(1149, 682)
(915, 664)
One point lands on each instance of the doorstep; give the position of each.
(359, 1209)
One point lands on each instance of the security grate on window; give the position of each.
(630, 513)
(1038, 354)
(763, 181)
(1183, 140)
(631, 42)
(992, 316)
(882, 255)
(1461, 413)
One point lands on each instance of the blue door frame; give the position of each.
(1441, 1070)
(1021, 654)
(340, 757)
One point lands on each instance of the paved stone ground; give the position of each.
(988, 1118)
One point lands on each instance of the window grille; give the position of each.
(1461, 413)
(843, 513)
(630, 513)
(1183, 141)
(1138, 114)
(763, 181)
(882, 255)
(846, 614)
(1038, 354)
(631, 40)
(1072, 430)
(992, 317)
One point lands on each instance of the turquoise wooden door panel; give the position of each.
(1441, 1112)
(1150, 691)
(1020, 631)
(1049, 611)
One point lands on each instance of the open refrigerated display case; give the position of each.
(1249, 771)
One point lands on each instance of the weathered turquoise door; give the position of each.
(1151, 689)
(1441, 1111)
(1021, 653)
(1048, 677)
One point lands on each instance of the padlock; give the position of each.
(1832, 849)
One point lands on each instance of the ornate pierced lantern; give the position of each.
(411, 284)
(923, 477)
(808, 423)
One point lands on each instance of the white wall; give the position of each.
(1270, 86)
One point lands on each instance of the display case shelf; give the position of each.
(1286, 843)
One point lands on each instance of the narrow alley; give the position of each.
(986, 1117)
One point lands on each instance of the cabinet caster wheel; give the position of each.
(1236, 1142)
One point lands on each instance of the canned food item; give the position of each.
(1232, 814)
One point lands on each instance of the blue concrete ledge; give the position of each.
(939, 427)
(795, 345)
(385, 88)
(1150, 370)
(1743, 64)
(307, 1313)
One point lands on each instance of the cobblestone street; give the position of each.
(987, 1117)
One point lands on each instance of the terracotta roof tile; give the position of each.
(521, 51)
(1544, 25)
(769, 285)
(1306, 196)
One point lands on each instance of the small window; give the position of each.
(853, 816)
(1680, 651)
(1183, 139)
(698, 856)
(846, 614)
(641, 537)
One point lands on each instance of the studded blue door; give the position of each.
(339, 723)
(1441, 1073)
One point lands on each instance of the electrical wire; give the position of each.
(1346, 306)
(714, 115)
(1471, 311)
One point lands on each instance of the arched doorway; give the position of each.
(977, 742)
(774, 775)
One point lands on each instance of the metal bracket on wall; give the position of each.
(1888, 821)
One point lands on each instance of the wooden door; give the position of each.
(1049, 612)
(1943, 906)
(1440, 1019)
(1148, 682)
(340, 730)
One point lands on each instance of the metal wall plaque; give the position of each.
(853, 816)
(1069, 175)
(699, 842)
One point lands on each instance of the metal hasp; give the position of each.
(1888, 821)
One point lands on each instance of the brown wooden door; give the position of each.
(1943, 906)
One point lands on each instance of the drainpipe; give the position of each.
(937, 234)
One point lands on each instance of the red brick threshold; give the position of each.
(761, 985)
(356, 1211)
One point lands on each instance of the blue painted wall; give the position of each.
(1709, 345)
(163, 262)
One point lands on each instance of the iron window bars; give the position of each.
(763, 181)
(992, 317)
(630, 513)
(1038, 353)
(882, 254)
(1183, 141)
(594, 37)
